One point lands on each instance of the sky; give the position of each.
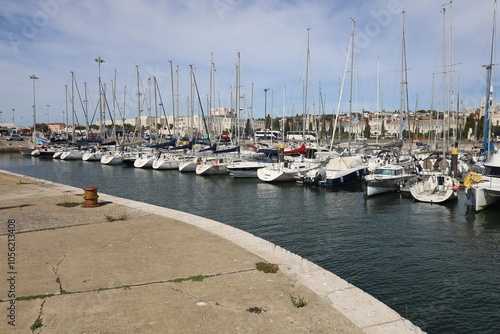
(52, 39)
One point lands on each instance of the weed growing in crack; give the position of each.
(113, 219)
(198, 278)
(69, 204)
(36, 324)
(297, 301)
(35, 297)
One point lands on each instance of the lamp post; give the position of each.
(99, 61)
(13, 115)
(0, 117)
(34, 77)
(265, 105)
(48, 113)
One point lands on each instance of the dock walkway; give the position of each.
(131, 267)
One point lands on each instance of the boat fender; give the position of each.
(198, 161)
(341, 179)
(357, 173)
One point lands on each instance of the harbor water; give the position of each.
(437, 265)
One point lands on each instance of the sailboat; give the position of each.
(441, 186)
(484, 188)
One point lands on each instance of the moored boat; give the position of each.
(484, 188)
(435, 189)
(388, 178)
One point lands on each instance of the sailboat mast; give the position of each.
(305, 115)
(350, 90)
(114, 108)
(283, 115)
(72, 107)
(489, 89)
(191, 98)
(404, 81)
(66, 103)
(87, 127)
(238, 99)
(378, 97)
(445, 102)
(341, 91)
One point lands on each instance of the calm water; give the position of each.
(437, 265)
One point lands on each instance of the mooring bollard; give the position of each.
(90, 196)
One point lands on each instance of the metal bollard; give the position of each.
(90, 196)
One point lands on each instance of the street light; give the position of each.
(99, 61)
(34, 77)
(48, 113)
(13, 115)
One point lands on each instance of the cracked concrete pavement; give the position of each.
(113, 277)
(80, 273)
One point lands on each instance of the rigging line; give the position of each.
(201, 108)
(163, 107)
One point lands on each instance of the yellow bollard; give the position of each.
(90, 196)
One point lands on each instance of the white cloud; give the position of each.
(51, 38)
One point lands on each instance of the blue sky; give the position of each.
(52, 38)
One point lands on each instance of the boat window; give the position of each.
(440, 180)
(494, 171)
(384, 171)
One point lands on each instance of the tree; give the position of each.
(287, 127)
(248, 128)
(470, 123)
(367, 131)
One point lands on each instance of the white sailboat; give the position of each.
(212, 166)
(436, 189)
(440, 186)
(287, 170)
(112, 157)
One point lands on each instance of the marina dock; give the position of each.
(131, 267)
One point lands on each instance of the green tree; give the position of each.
(248, 128)
(367, 131)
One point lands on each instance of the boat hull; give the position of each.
(436, 189)
(484, 195)
(336, 179)
(209, 169)
(376, 186)
(111, 159)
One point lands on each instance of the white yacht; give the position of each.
(484, 188)
(386, 179)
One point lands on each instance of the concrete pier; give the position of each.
(131, 267)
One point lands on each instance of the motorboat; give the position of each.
(388, 178)
(484, 189)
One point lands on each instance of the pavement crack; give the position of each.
(55, 269)
(38, 322)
